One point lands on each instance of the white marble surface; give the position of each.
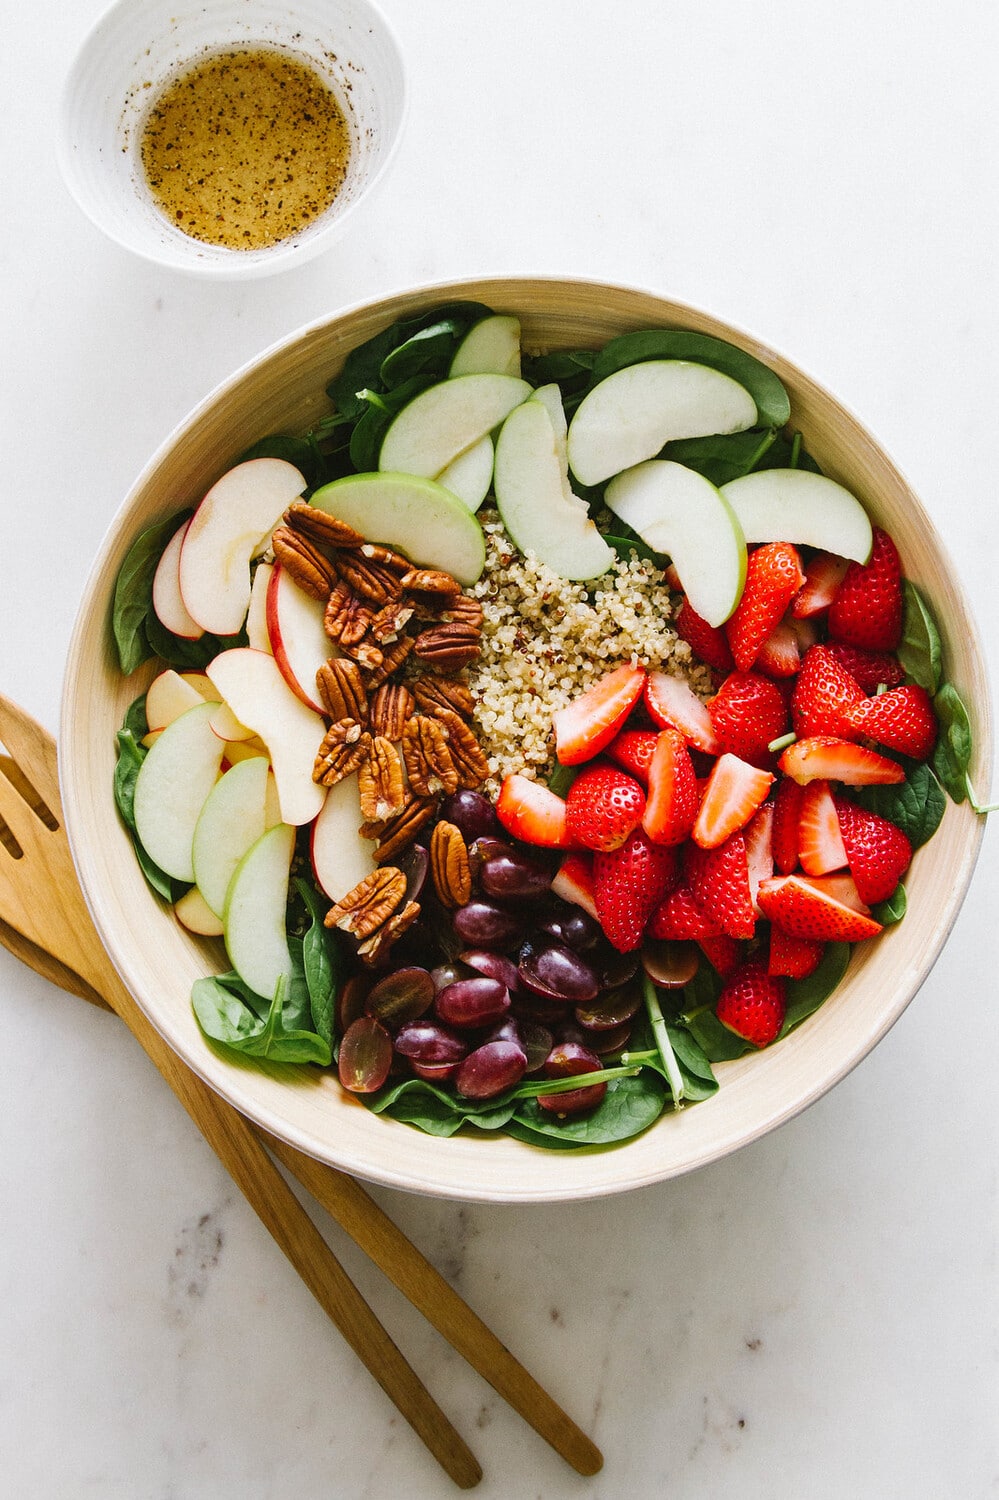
(816, 1317)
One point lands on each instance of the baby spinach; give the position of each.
(919, 650)
(379, 407)
(804, 996)
(569, 369)
(630, 1106)
(952, 752)
(230, 1013)
(133, 594)
(723, 456)
(365, 367)
(891, 910)
(773, 405)
(915, 805)
(322, 962)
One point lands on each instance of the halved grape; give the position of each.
(495, 965)
(365, 1056)
(430, 1042)
(514, 876)
(471, 1003)
(350, 1000)
(610, 1009)
(567, 1060)
(574, 927)
(401, 996)
(668, 964)
(491, 1069)
(557, 972)
(483, 924)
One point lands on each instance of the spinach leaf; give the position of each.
(699, 1081)
(182, 654)
(892, 910)
(232, 1015)
(919, 650)
(952, 753)
(715, 1040)
(772, 402)
(624, 545)
(787, 451)
(131, 754)
(378, 409)
(561, 778)
(304, 452)
(133, 593)
(915, 805)
(322, 960)
(804, 996)
(362, 369)
(724, 456)
(569, 369)
(629, 1106)
(428, 351)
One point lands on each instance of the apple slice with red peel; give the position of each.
(227, 726)
(299, 642)
(436, 426)
(227, 530)
(168, 601)
(193, 912)
(172, 786)
(252, 684)
(171, 694)
(673, 704)
(239, 808)
(256, 614)
(256, 936)
(586, 725)
(340, 857)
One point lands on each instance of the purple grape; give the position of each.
(495, 965)
(415, 865)
(537, 1043)
(670, 965)
(574, 927)
(434, 1072)
(514, 876)
(401, 996)
(611, 1008)
(365, 1056)
(472, 813)
(483, 924)
(608, 1043)
(567, 1060)
(491, 1069)
(557, 973)
(350, 1000)
(446, 974)
(469, 1003)
(430, 1042)
(529, 1008)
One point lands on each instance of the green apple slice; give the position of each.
(234, 816)
(795, 505)
(628, 417)
(471, 473)
(416, 516)
(490, 347)
(171, 787)
(431, 430)
(677, 511)
(256, 937)
(538, 508)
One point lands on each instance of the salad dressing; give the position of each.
(245, 149)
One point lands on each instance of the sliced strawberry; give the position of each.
(758, 834)
(901, 719)
(820, 843)
(823, 694)
(672, 704)
(872, 669)
(632, 749)
(748, 712)
(678, 918)
(532, 812)
(585, 726)
(723, 953)
(867, 609)
(877, 852)
(708, 642)
(674, 795)
(773, 577)
(803, 908)
(573, 881)
(780, 654)
(794, 957)
(787, 816)
(752, 1003)
(734, 791)
(628, 885)
(825, 756)
(602, 806)
(823, 576)
(841, 887)
(719, 883)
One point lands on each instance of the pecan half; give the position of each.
(375, 948)
(448, 648)
(386, 557)
(338, 608)
(428, 759)
(380, 781)
(321, 527)
(372, 580)
(390, 709)
(431, 581)
(450, 868)
(370, 904)
(467, 755)
(388, 624)
(365, 653)
(345, 747)
(340, 685)
(392, 659)
(463, 610)
(396, 834)
(314, 573)
(435, 695)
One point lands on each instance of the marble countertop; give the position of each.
(816, 1316)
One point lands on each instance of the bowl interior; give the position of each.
(283, 390)
(136, 48)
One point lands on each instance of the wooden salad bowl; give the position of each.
(283, 391)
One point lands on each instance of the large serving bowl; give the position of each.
(282, 391)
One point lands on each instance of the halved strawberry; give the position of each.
(602, 806)
(872, 669)
(632, 749)
(823, 694)
(823, 576)
(877, 852)
(787, 816)
(532, 812)
(833, 759)
(748, 712)
(674, 795)
(733, 792)
(719, 883)
(758, 834)
(573, 881)
(672, 704)
(901, 719)
(780, 654)
(803, 908)
(723, 953)
(867, 609)
(586, 725)
(773, 577)
(820, 843)
(752, 1003)
(678, 918)
(708, 642)
(793, 957)
(629, 884)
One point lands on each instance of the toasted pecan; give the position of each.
(369, 904)
(427, 755)
(450, 868)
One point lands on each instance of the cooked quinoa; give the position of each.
(545, 640)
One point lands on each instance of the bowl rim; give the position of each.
(236, 1084)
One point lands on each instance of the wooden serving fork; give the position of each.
(44, 920)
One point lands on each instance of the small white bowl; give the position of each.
(140, 45)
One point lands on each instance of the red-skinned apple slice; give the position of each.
(256, 614)
(227, 530)
(254, 688)
(193, 912)
(168, 602)
(340, 857)
(298, 639)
